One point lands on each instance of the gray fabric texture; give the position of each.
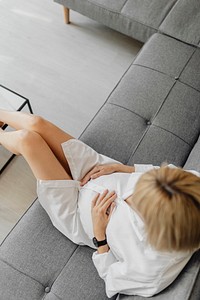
(14, 285)
(159, 146)
(118, 143)
(180, 113)
(191, 73)
(149, 12)
(141, 89)
(183, 21)
(193, 161)
(114, 6)
(110, 15)
(165, 55)
(79, 279)
(46, 251)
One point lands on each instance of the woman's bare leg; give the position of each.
(53, 135)
(37, 153)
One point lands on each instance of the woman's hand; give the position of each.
(102, 208)
(100, 170)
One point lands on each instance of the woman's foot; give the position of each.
(1, 124)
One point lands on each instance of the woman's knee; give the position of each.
(27, 140)
(36, 123)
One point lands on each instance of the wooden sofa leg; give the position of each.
(66, 15)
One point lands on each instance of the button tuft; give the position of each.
(148, 123)
(47, 289)
(176, 78)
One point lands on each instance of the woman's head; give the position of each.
(168, 199)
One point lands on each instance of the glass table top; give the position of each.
(10, 100)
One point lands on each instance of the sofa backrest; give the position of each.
(136, 18)
(183, 22)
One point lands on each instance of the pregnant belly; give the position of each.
(84, 208)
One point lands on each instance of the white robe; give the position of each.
(131, 266)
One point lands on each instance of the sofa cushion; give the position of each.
(183, 22)
(79, 279)
(191, 73)
(14, 285)
(38, 260)
(151, 13)
(136, 18)
(46, 250)
(152, 112)
(165, 55)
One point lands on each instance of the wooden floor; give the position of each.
(66, 71)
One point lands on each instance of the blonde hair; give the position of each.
(168, 199)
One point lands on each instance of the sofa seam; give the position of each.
(146, 130)
(160, 31)
(125, 108)
(34, 279)
(14, 268)
(169, 11)
(144, 134)
(119, 13)
(155, 125)
(194, 51)
(172, 8)
(123, 5)
(155, 70)
(169, 75)
(72, 254)
(46, 295)
(187, 84)
(167, 130)
(138, 144)
(164, 100)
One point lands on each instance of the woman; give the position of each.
(143, 221)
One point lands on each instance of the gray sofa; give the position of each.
(152, 115)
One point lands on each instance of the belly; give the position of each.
(84, 208)
(113, 182)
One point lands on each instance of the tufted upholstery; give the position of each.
(38, 262)
(161, 110)
(152, 115)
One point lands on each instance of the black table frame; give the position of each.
(26, 102)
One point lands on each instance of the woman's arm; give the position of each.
(100, 170)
